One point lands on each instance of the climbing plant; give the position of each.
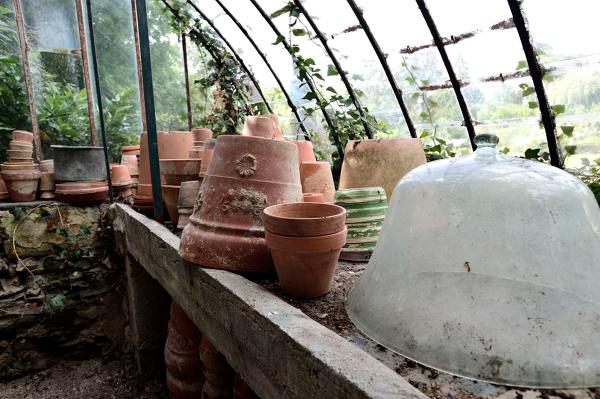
(223, 74)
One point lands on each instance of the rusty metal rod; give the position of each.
(138, 63)
(188, 97)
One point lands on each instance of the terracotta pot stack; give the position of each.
(188, 194)
(47, 181)
(175, 172)
(20, 174)
(121, 181)
(80, 174)
(201, 136)
(305, 241)
(246, 174)
(316, 177)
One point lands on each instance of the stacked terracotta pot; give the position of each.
(122, 182)
(20, 174)
(305, 240)
(80, 173)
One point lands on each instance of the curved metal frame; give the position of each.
(308, 82)
(235, 54)
(337, 66)
(267, 63)
(386, 68)
(455, 83)
(536, 72)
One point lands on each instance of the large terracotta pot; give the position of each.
(21, 186)
(218, 373)
(259, 126)
(305, 151)
(316, 177)
(176, 171)
(170, 195)
(305, 265)
(380, 163)
(185, 376)
(246, 175)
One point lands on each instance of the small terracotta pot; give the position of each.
(278, 135)
(305, 265)
(259, 126)
(18, 146)
(3, 191)
(120, 175)
(305, 151)
(188, 193)
(19, 154)
(313, 197)
(176, 171)
(316, 177)
(23, 136)
(47, 165)
(170, 195)
(202, 134)
(209, 149)
(304, 219)
(47, 185)
(22, 187)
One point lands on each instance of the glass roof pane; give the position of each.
(461, 16)
(51, 25)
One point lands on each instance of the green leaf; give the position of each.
(310, 96)
(532, 104)
(331, 89)
(281, 11)
(567, 130)
(280, 39)
(528, 91)
(570, 149)
(424, 134)
(309, 61)
(331, 70)
(522, 65)
(558, 108)
(505, 150)
(299, 32)
(532, 153)
(423, 115)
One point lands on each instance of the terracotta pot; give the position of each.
(219, 375)
(17, 154)
(120, 175)
(196, 154)
(241, 390)
(19, 167)
(305, 151)
(278, 135)
(316, 177)
(246, 175)
(81, 192)
(304, 219)
(176, 171)
(18, 146)
(22, 136)
(21, 186)
(47, 165)
(313, 197)
(259, 126)
(47, 185)
(170, 195)
(380, 163)
(3, 191)
(209, 149)
(79, 163)
(131, 162)
(305, 265)
(188, 194)
(184, 217)
(184, 369)
(201, 134)
(131, 150)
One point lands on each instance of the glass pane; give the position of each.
(52, 25)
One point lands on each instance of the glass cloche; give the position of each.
(488, 267)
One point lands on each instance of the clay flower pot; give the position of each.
(176, 171)
(313, 197)
(11, 167)
(316, 177)
(3, 191)
(131, 150)
(259, 126)
(22, 136)
(201, 134)
(170, 195)
(47, 185)
(18, 146)
(304, 219)
(121, 179)
(184, 367)
(47, 165)
(305, 265)
(380, 163)
(305, 151)
(81, 192)
(246, 175)
(188, 194)
(18, 154)
(78, 163)
(22, 186)
(209, 149)
(278, 134)
(131, 162)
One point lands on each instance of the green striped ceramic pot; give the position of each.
(365, 211)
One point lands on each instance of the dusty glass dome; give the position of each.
(488, 267)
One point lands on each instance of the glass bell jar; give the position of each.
(488, 267)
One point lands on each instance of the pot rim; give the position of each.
(77, 147)
(268, 211)
(313, 244)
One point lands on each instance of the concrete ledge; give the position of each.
(276, 348)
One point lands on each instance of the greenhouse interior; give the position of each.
(299, 199)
